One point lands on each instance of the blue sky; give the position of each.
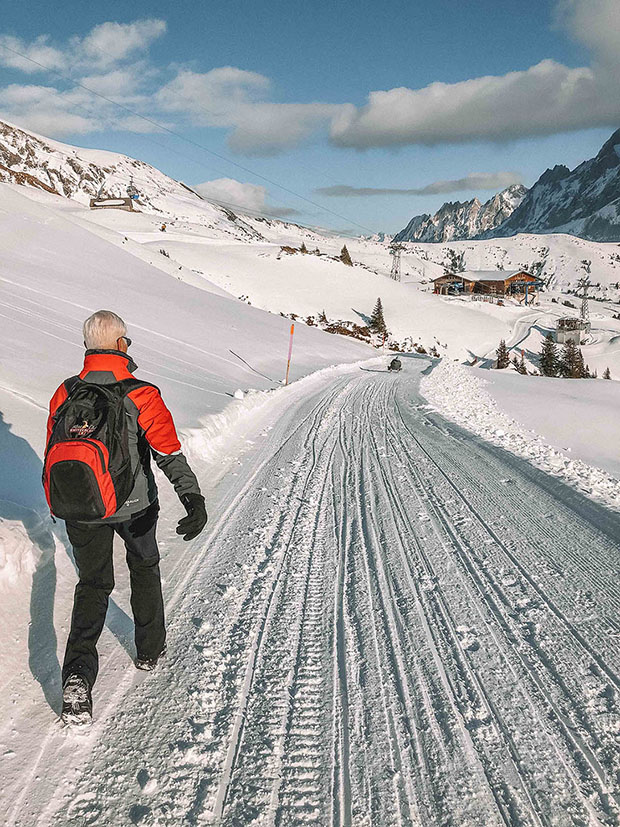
(322, 95)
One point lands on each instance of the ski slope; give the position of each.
(390, 622)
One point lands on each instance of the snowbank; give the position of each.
(212, 442)
(462, 396)
(575, 416)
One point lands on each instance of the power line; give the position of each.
(190, 141)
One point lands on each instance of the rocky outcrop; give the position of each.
(457, 220)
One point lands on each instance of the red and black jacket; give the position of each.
(151, 431)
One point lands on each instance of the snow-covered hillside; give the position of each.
(36, 162)
(457, 220)
(55, 270)
(242, 254)
(557, 258)
(354, 639)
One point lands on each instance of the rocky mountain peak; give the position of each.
(456, 220)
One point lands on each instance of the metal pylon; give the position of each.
(584, 284)
(395, 251)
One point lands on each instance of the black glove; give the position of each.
(196, 519)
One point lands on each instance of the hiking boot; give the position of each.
(77, 702)
(148, 664)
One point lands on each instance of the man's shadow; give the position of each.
(22, 500)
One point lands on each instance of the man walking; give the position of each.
(103, 427)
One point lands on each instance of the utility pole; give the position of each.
(395, 251)
(584, 284)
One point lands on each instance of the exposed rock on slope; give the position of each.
(457, 220)
(74, 172)
(583, 202)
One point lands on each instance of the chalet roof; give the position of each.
(490, 275)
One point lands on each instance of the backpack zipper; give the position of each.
(99, 451)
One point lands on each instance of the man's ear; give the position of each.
(121, 344)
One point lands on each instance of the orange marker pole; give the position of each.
(290, 353)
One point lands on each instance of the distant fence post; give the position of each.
(290, 353)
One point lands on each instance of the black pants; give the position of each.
(92, 549)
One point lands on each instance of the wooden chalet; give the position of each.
(448, 283)
(487, 282)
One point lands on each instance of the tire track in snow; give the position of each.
(314, 485)
(463, 704)
(175, 603)
(583, 755)
(366, 663)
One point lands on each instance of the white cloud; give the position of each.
(103, 60)
(474, 181)
(241, 195)
(112, 42)
(269, 128)
(545, 99)
(38, 51)
(106, 45)
(212, 98)
(234, 98)
(117, 83)
(55, 113)
(595, 23)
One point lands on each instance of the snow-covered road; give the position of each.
(392, 623)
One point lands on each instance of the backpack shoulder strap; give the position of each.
(71, 383)
(132, 383)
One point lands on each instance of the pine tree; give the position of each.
(522, 367)
(377, 322)
(571, 361)
(322, 317)
(582, 368)
(503, 358)
(303, 248)
(607, 374)
(345, 258)
(549, 362)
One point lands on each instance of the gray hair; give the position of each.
(102, 330)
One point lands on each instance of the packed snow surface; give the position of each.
(388, 620)
(578, 413)
(388, 623)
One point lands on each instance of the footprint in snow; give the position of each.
(84, 809)
(468, 638)
(138, 813)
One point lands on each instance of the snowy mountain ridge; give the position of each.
(38, 162)
(457, 220)
(584, 201)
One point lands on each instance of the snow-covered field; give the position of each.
(567, 427)
(390, 624)
(389, 621)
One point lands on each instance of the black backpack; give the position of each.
(87, 473)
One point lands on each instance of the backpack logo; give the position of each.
(82, 430)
